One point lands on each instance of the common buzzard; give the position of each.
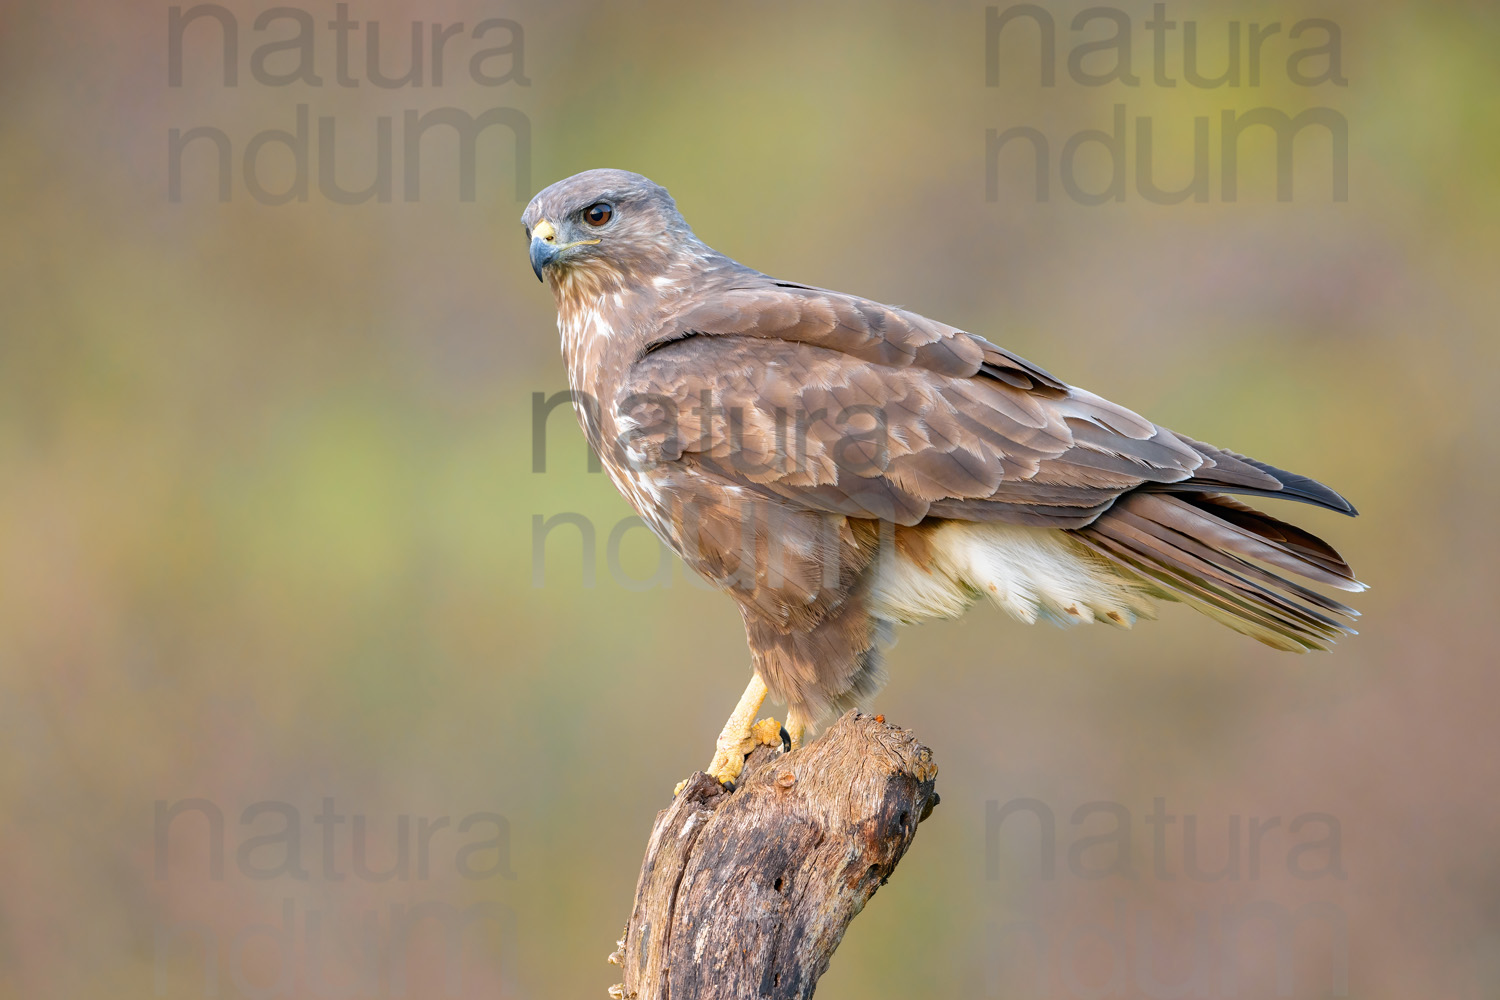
(839, 466)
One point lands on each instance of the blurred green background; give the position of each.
(266, 493)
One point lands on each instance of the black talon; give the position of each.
(786, 741)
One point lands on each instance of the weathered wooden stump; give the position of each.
(747, 893)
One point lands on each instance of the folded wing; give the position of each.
(843, 405)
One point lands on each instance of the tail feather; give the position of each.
(1224, 567)
(1205, 580)
(1169, 585)
(1247, 531)
(1278, 533)
(1220, 556)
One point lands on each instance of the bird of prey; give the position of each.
(838, 466)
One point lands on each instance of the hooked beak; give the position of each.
(544, 248)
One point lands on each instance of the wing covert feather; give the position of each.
(848, 406)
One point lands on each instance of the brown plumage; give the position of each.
(838, 466)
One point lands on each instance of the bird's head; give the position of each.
(603, 225)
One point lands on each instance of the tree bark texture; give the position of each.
(746, 893)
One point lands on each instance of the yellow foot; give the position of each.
(796, 727)
(740, 736)
(729, 758)
(768, 733)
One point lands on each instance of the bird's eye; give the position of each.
(598, 213)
